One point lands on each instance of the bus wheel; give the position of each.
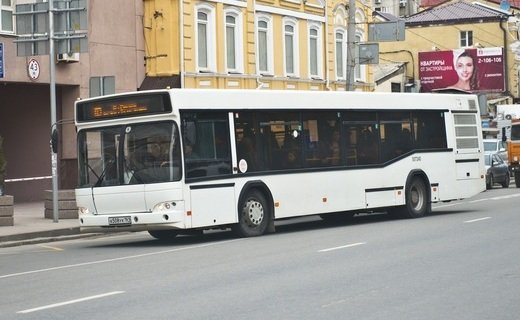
(163, 234)
(254, 215)
(417, 200)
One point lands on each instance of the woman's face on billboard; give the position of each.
(464, 68)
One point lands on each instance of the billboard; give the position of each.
(471, 70)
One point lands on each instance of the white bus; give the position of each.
(171, 161)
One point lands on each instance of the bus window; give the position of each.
(248, 147)
(206, 144)
(395, 134)
(321, 137)
(281, 134)
(430, 129)
(362, 142)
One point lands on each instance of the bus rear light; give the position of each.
(277, 204)
(324, 199)
(188, 213)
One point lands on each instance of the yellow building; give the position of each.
(265, 44)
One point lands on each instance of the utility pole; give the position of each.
(351, 44)
(52, 81)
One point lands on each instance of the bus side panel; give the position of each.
(212, 206)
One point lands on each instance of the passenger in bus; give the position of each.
(367, 147)
(247, 150)
(189, 154)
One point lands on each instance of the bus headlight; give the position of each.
(83, 211)
(515, 158)
(164, 206)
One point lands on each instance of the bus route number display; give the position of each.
(116, 110)
(122, 107)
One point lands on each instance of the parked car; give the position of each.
(496, 171)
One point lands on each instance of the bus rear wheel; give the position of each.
(417, 201)
(254, 215)
(163, 234)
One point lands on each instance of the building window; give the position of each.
(291, 48)
(315, 55)
(340, 55)
(466, 39)
(100, 86)
(234, 42)
(205, 39)
(359, 69)
(265, 47)
(6, 16)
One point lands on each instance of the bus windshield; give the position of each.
(129, 154)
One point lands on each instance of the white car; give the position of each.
(496, 146)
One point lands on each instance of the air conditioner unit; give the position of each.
(377, 1)
(402, 3)
(68, 57)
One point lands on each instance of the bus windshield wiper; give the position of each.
(101, 177)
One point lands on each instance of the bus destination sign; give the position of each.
(123, 107)
(116, 110)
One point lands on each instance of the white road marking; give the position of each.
(115, 259)
(70, 302)
(475, 220)
(342, 247)
(50, 247)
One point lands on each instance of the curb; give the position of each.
(43, 236)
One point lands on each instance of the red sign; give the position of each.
(471, 70)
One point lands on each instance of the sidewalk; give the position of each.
(30, 226)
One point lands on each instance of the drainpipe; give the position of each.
(506, 73)
(181, 28)
(327, 77)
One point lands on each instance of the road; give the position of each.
(460, 262)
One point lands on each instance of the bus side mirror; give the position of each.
(504, 138)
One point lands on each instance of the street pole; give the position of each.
(54, 126)
(351, 44)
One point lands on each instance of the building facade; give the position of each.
(114, 63)
(264, 44)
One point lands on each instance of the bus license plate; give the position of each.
(117, 221)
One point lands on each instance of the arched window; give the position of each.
(315, 50)
(291, 47)
(264, 35)
(234, 47)
(206, 56)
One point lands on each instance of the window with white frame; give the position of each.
(466, 39)
(6, 16)
(291, 47)
(340, 46)
(265, 45)
(234, 50)
(359, 69)
(315, 48)
(206, 56)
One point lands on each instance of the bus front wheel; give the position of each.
(254, 215)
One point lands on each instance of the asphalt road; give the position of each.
(461, 262)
